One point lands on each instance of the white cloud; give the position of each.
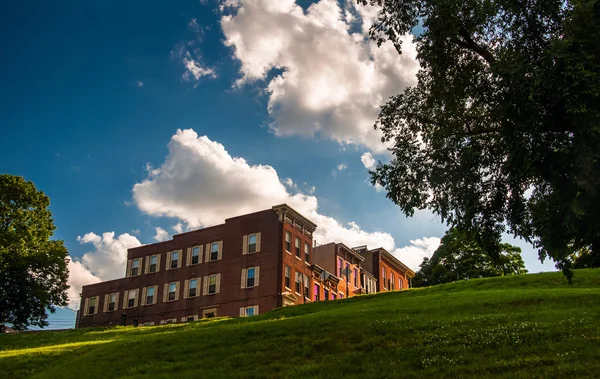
(413, 254)
(334, 78)
(105, 262)
(139, 83)
(201, 184)
(341, 167)
(161, 234)
(79, 276)
(194, 70)
(179, 228)
(368, 161)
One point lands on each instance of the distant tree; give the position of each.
(461, 257)
(502, 130)
(33, 268)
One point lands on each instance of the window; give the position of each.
(298, 282)
(287, 276)
(340, 268)
(249, 311)
(252, 243)
(389, 284)
(355, 278)
(250, 277)
(209, 313)
(326, 297)
(393, 283)
(190, 319)
(135, 267)
(288, 241)
(150, 293)
(195, 255)
(214, 251)
(400, 284)
(153, 263)
(131, 298)
(112, 302)
(306, 287)
(297, 242)
(193, 287)
(93, 305)
(333, 297)
(316, 293)
(174, 259)
(383, 275)
(212, 284)
(172, 291)
(306, 252)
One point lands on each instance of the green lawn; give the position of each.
(528, 326)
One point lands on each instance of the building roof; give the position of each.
(351, 251)
(295, 217)
(389, 257)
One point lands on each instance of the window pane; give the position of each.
(175, 255)
(252, 239)
(212, 280)
(113, 297)
(214, 247)
(250, 311)
(153, 260)
(132, 295)
(195, 251)
(150, 291)
(172, 287)
(193, 283)
(251, 272)
(135, 263)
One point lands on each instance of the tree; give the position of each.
(502, 131)
(584, 258)
(33, 268)
(461, 257)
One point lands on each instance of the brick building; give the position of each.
(389, 272)
(344, 263)
(246, 266)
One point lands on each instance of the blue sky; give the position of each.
(94, 91)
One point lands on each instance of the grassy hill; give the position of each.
(527, 326)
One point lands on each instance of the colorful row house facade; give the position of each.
(246, 266)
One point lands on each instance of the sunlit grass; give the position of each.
(528, 326)
(52, 349)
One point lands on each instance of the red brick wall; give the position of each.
(295, 264)
(231, 296)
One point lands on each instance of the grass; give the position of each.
(527, 326)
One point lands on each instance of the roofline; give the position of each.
(295, 212)
(396, 261)
(350, 250)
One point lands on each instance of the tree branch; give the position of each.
(474, 46)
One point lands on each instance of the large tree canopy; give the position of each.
(461, 257)
(33, 268)
(502, 131)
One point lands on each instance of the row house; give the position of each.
(389, 273)
(248, 265)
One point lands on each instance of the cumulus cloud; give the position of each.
(368, 161)
(341, 167)
(413, 254)
(179, 228)
(333, 77)
(201, 184)
(161, 234)
(106, 261)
